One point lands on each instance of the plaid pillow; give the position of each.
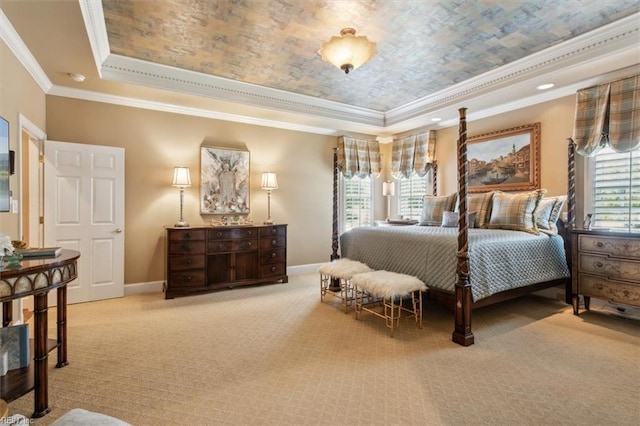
(481, 204)
(450, 219)
(515, 212)
(433, 209)
(548, 213)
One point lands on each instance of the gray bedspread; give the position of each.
(498, 259)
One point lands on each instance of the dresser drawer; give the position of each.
(275, 255)
(611, 267)
(231, 245)
(269, 231)
(186, 247)
(613, 291)
(278, 241)
(186, 235)
(187, 279)
(183, 263)
(232, 233)
(273, 269)
(614, 246)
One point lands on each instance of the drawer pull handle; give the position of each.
(249, 233)
(186, 247)
(599, 264)
(273, 255)
(249, 244)
(273, 269)
(219, 246)
(599, 244)
(187, 278)
(598, 287)
(189, 262)
(274, 242)
(218, 234)
(273, 230)
(187, 235)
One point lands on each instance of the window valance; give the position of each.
(413, 154)
(358, 157)
(608, 114)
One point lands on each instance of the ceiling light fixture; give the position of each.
(348, 51)
(77, 77)
(545, 86)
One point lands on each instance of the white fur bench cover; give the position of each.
(343, 268)
(387, 284)
(81, 417)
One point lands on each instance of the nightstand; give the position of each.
(396, 222)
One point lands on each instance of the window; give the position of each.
(411, 195)
(357, 202)
(615, 190)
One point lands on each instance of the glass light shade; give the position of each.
(269, 181)
(388, 189)
(181, 177)
(348, 51)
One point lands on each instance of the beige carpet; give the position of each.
(275, 355)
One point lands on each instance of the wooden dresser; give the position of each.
(605, 265)
(203, 259)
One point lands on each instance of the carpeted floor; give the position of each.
(275, 355)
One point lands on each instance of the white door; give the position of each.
(84, 211)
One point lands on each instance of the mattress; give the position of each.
(499, 260)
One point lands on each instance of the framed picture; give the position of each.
(224, 181)
(5, 165)
(506, 160)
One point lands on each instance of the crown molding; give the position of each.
(87, 95)
(93, 17)
(13, 41)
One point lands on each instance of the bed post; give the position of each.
(335, 283)
(462, 333)
(571, 190)
(434, 186)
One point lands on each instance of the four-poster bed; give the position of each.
(461, 297)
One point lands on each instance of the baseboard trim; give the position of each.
(157, 286)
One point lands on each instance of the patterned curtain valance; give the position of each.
(358, 157)
(608, 114)
(415, 153)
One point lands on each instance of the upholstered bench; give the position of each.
(341, 270)
(389, 288)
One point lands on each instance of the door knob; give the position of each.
(118, 231)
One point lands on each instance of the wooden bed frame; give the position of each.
(461, 301)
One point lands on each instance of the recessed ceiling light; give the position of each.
(434, 119)
(545, 86)
(77, 77)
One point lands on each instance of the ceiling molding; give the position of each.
(87, 95)
(93, 17)
(13, 41)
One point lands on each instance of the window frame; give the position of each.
(428, 190)
(342, 215)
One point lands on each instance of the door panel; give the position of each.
(84, 211)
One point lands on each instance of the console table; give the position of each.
(36, 277)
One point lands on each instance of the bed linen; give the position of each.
(498, 259)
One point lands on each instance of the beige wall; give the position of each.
(19, 94)
(155, 142)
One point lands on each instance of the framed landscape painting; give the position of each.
(224, 181)
(506, 160)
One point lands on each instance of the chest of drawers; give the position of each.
(205, 259)
(605, 265)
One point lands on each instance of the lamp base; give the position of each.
(181, 224)
(269, 222)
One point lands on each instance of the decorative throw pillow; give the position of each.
(548, 213)
(433, 208)
(481, 204)
(450, 219)
(515, 212)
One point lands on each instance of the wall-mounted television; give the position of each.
(5, 165)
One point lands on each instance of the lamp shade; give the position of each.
(388, 189)
(348, 51)
(269, 181)
(181, 177)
